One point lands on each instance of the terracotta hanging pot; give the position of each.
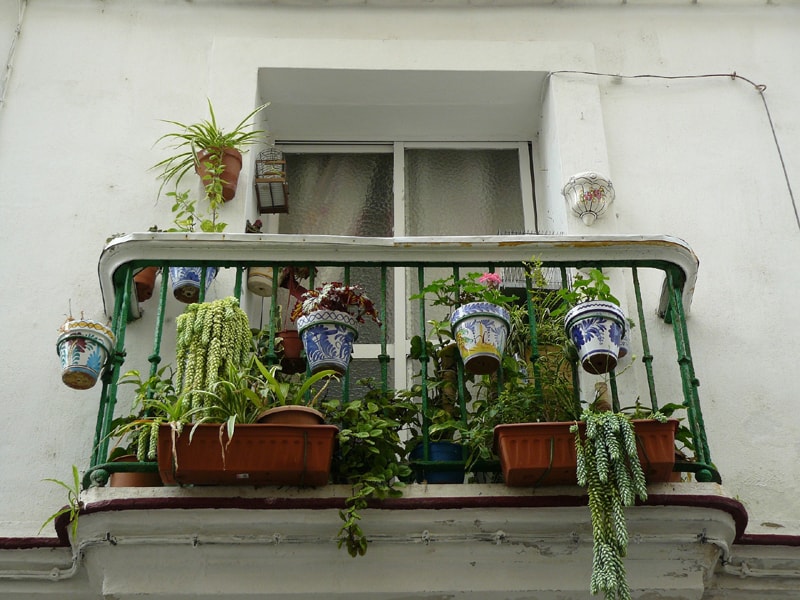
(232, 163)
(134, 478)
(145, 281)
(292, 360)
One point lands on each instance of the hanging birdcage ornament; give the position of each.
(272, 191)
(589, 195)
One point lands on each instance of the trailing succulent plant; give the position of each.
(609, 468)
(211, 337)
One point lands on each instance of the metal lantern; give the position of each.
(272, 191)
(589, 195)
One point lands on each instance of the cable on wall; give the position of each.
(760, 88)
(22, 4)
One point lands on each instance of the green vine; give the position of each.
(211, 336)
(609, 468)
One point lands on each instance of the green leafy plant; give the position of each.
(74, 503)
(475, 287)
(593, 286)
(191, 138)
(186, 216)
(210, 336)
(608, 467)
(368, 459)
(280, 390)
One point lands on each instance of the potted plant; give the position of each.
(369, 454)
(223, 389)
(479, 321)
(84, 347)
(186, 279)
(439, 357)
(327, 318)
(594, 322)
(215, 154)
(155, 400)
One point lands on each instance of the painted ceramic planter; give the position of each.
(84, 347)
(259, 281)
(186, 282)
(258, 454)
(481, 331)
(533, 454)
(596, 329)
(328, 337)
(438, 451)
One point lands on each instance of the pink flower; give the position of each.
(490, 280)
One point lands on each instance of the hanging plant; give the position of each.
(608, 467)
(211, 337)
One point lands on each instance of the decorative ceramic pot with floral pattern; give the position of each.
(481, 330)
(596, 329)
(186, 282)
(328, 337)
(84, 347)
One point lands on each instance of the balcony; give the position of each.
(538, 537)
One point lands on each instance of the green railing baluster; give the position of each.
(647, 357)
(155, 357)
(423, 363)
(383, 357)
(689, 381)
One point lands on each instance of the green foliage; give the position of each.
(74, 504)
(278, 390)
(475, 287)
(190, 139)
(186, 217)
(210, 336)
(587, 288)
(369, 455)
(609, 468)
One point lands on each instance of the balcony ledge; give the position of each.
(483, 541)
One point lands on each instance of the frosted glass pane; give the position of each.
(462, 192)
(339, 194)
(343, 194)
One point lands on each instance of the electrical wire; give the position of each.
(760, 88)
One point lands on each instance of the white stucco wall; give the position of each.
(694, 158)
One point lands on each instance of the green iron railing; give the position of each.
(402, 267)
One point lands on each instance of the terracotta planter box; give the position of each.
(534, 454)
(262, 454)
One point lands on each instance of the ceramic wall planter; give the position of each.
(84, 347)
(259, 281)
(255, 455)
(481, 331)
(186, 282)
(596, 329)
(145, 281)
(438, 451)
(533, 454)
(232, 163)
(328, 337)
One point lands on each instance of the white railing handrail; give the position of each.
(244, 248)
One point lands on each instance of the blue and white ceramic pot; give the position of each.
(328, 337)
(481, 331)
(84, 347)
(186, 282)
(596, 328)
